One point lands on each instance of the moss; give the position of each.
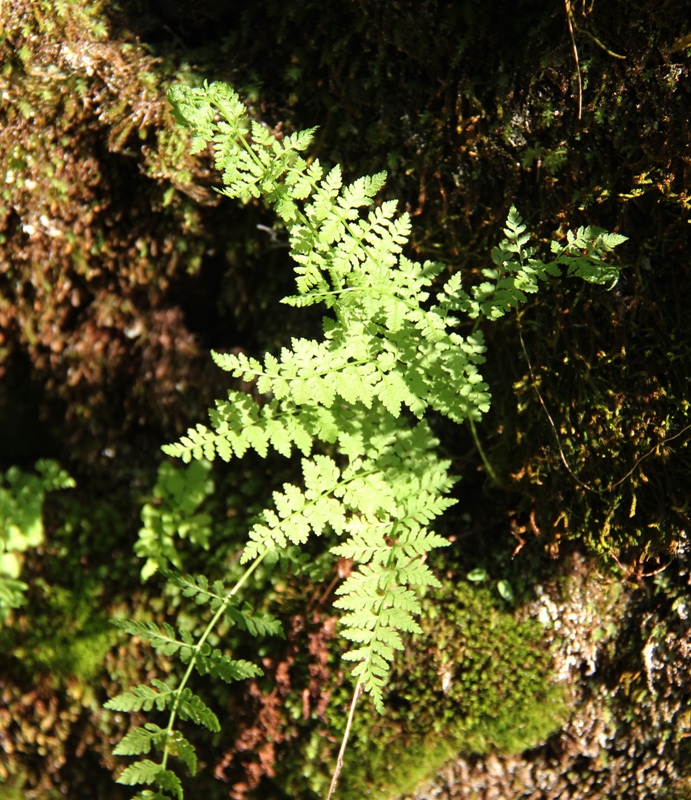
(609, 467)
(8, 793)
(64, 635)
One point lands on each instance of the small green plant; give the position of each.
(174, 513)
(353, 404)
(21, 523)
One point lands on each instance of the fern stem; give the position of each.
(220, 611)
(488, 467)
(344, 742)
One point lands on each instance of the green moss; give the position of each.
(619, 427)
(64, 635)
(9, 793)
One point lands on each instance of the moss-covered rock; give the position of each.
(478, 680)
(620, 650)
(102, 237)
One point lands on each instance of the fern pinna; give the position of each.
(353, 404)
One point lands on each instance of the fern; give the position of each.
(353, 404)
(150, 772)
(517, 272)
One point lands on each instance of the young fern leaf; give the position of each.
(379, 608)
(211, 661)
(190, 706)
(199, 589)
(300, 513)
(583, 253)
(256, 624)
(179, 747)
(391, 552)
(139, 741)
(518, 272)
(203, 592)
(162, 639)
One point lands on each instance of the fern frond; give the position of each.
(300, 513)
(211, 661)
(518, 272)
(390, 352)
(237, 428)
(362, 191)
(413, 543)
(515, 232)
(256, 623)
(366, 541)
(199, 443)
(191, 706)
(583, 253)
(373, 623)
(301, 182)
(199, 589)
(377, 597)
(216, 595)
(297, 374)
(140, 741)
(370, 245)
(180, 748)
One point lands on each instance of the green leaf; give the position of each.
(219, 665)
(192, 707)
(505, 590)
(197, 588)
(140, 740)
(143, 698)
(147, 772)
(184, 751)
(161, 638)
(256, 623)
(390, 352)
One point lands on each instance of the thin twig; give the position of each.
(601, 45)
(344, 743)
(569, 19)
(485, 460)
